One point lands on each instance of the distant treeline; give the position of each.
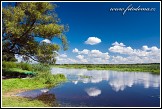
(139, 67)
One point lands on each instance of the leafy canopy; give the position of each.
(25, 22)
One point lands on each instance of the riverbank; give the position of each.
(42, 79)
(152, 68)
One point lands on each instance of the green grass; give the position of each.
(12, 85)
(42, 79)
(151, 68)
(16, 70)
(23, 66)
(21, 102)
(9, 85)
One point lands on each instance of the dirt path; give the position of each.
(13, 92)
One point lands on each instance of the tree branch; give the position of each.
(29, 28)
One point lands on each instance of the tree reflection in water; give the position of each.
(48, 99)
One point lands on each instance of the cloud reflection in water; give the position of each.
(117, 80)
(93, 91)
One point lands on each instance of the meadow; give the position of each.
(20, 77)
(39, 77)
(153, 68)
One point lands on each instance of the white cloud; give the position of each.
(46, 41)
(63, 55)
(91, 56)
(64, 59)
(145, 51)
(123, 55)
(93, 40)
(144, 55)
(85, 51)
(80, 57)
(61, 60)
(99, 54)
(118, 44)
(121, 49)
(93, 91)
(145, 48)
(75, 50)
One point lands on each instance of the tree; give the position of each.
(27, 21)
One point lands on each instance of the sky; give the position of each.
(99, 35)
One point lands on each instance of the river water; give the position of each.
(105, 88)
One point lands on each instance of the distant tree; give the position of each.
(26, 21)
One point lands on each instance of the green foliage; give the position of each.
(42, 79)
(41, 71)
(23, 66)
(45, 55)
(40, 67)
(48, 78)
(26, 21)
(8, 57)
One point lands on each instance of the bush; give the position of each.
(40, 67)
(25, 66)
(48, 78)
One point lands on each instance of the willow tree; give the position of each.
(24, 23)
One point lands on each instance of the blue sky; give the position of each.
(116, 38)
(134, 29)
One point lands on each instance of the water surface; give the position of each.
(105, 88)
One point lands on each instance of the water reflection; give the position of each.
(41, 95)
(33, 93)
(117, 80)
(93, 91)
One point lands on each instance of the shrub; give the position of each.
(48, 78)
(40, 67)
(25, 66)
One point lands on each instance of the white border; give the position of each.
(81, 1)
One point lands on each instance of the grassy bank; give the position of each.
(42, 79)
(152, 68)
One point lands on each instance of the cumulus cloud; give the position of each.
(120, 48)
(123, 55)
(64, 59)
(99, 54)
(118, 44)
(63, 55)
(85, 51)
(80, 57)
(46, 41)
(75, 50)
(92, 40)
(144, 55)
(93, 91)
(91, 56)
